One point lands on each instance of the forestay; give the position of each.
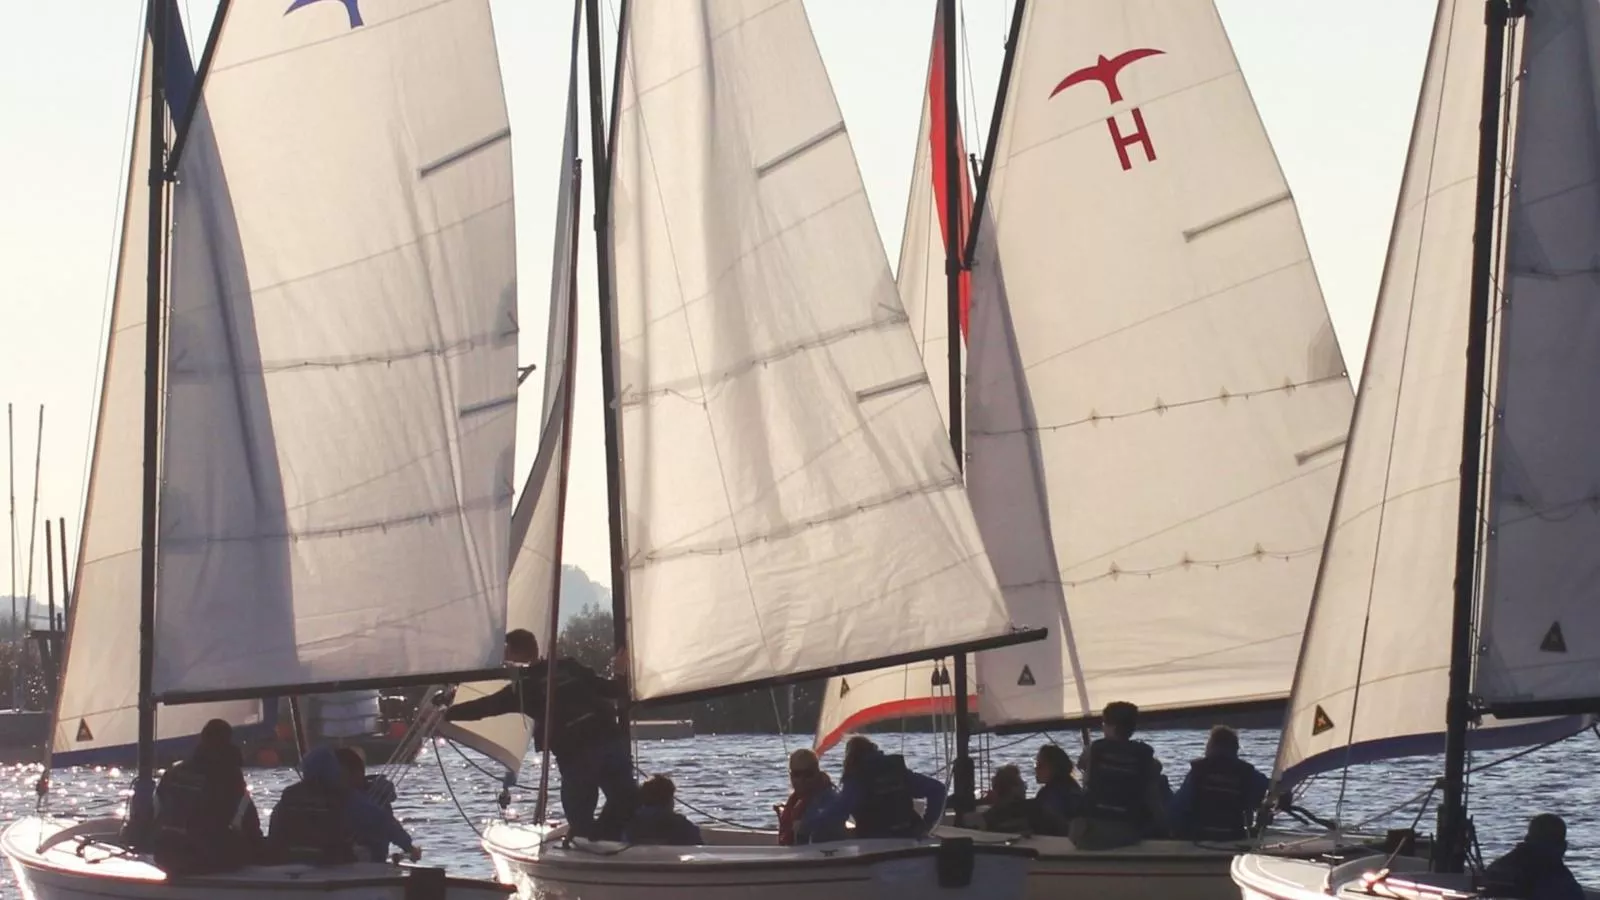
(793, 504)
(1156, 398)
(97, 713)
(1372, 681)
(341, 399)
(1540, 621)
(536, 564)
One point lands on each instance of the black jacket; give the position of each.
(585, 715)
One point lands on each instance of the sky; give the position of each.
(1336, 90)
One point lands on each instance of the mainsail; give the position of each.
(1156, 397)
(536, 564)
(793, 506)
(337, 438)
(96, 719)
(1540, 620)
(1373, 676)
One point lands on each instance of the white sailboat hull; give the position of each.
(1148, 870)
(64, 860)
(1260, 876)
(739, 865)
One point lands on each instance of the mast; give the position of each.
(144, 785)
(1450, 855)
(599, 149)
(963, 799)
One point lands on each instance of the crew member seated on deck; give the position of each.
(810, 788)
(655, 821)
(1535, 869)
(1122, 801)
(1221, 793)
(205, 820)
(1060, 796)
(310, 824)
(368, 810)
(878, 791)
(1007, 805)
(585, 737)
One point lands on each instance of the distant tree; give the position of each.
(587, 638)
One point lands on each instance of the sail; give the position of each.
(1156, 398)
(920, 276)
(536, 562)
(1372, 681)
(920, 279)
(793, 504)
(1540, 623)
(97, 707)
(341, 404)
(853, 702)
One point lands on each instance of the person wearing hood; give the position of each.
(205, 820)
(1535, 869)
(654, 819)
(311, 824)
(368, 811)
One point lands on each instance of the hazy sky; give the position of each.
(1336, 89)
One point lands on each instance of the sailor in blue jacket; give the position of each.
(878, 791)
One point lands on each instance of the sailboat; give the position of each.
(302, 484)
(1156, 402)
(1465, 492)
(783, 500)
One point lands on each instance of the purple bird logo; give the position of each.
(351, 8)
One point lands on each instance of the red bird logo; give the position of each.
(1106, 71)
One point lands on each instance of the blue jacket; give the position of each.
(831, 816)
(372, 825)
(1182, 803)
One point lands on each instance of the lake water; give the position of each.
(738, 778)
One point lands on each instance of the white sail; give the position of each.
(920, 690)
(1372, 681)
(536, 563)
(920, 279)
(341, 406)
(97, 712)
(1156, 399)
(1540, 621)
(793, 504)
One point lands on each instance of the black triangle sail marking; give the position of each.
(844, 688)
(84, 734)
(1320, 722)
(1026, 678)
(1553, 641)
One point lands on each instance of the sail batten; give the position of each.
(1164, 521)
(756, 321)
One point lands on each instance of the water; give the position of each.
(738, 778)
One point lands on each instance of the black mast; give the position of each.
(599, 151)
(963, 795)
(1450, 851)
(141, 809)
